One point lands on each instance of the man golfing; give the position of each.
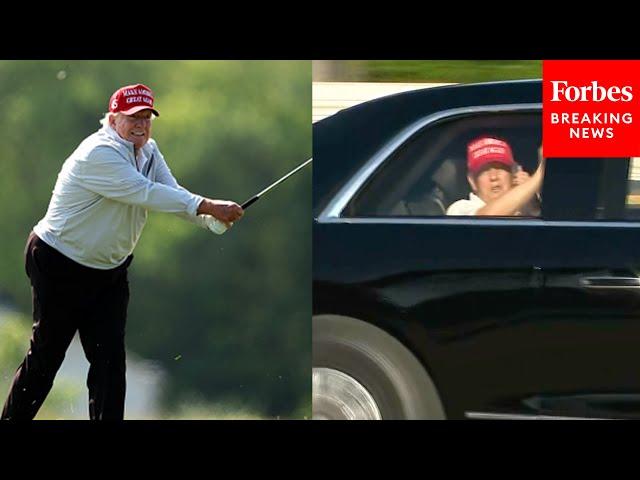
(77, 256)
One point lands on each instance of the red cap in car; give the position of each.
(484, 150)
(132, 99)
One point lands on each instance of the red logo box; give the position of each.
(591, 108)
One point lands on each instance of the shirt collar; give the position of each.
(474, 198)
(111, 133)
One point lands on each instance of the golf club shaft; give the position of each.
(219, 227)
(251, 201)
(257, 196)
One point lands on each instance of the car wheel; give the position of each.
(360, 372)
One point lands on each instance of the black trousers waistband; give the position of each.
(54, 261)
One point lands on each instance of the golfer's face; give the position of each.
(135, 128)
(493, 181)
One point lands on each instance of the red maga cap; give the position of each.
(132, 99)
(484, 150)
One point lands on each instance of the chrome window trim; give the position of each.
(338, 203)
(515, 416)
(478, 222)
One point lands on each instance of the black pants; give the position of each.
(69, 297)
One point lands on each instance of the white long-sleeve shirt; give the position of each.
(100, 200)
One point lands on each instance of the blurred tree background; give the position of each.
(425, 71)
(227, 317)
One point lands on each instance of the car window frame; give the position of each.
(336, 207)
(334, 211)
(410, 170)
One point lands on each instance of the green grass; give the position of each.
(199, 410)
(439, 71)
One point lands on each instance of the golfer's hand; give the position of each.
(225, 211)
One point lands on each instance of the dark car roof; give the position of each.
(344, 141)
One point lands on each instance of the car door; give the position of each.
(587, 324)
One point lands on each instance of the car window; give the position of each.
(428, 173)
(632, 199)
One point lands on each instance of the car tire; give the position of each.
(378, 368)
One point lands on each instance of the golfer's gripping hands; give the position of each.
(220, 214)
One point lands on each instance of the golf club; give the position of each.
(219, 227)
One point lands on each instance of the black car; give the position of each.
(417, 314)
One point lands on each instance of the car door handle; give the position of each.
(610, 282)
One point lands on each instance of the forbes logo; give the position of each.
(591, 93)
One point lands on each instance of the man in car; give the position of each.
(78, 254)
(499, 185)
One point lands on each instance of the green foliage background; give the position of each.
(445, 71)
(227, 316)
